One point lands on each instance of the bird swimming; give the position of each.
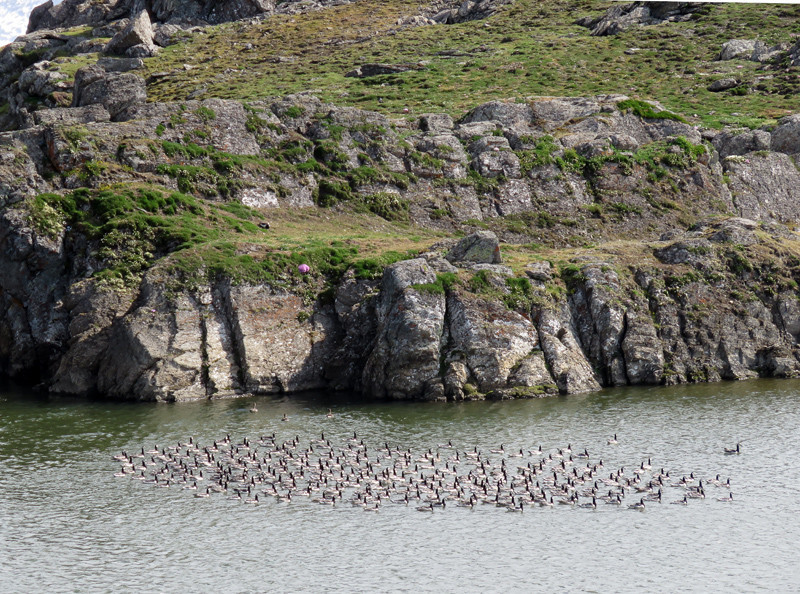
(369, 477)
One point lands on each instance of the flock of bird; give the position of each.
(356, 474)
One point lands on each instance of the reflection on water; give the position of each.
(66, 523)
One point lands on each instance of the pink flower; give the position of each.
(304, 268)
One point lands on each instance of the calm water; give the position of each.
(66, 524)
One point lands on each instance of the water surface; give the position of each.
(67, 524)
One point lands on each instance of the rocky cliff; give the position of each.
(153, 250)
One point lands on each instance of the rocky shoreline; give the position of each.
(591, 242)
(452, 323)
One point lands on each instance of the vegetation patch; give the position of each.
(645, 110)
(444, 281)
(527, 50)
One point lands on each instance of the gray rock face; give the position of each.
(504, 113)
(568, 365)
(71, 116)
(138, 32)
(623, 17)
(794, 54)
(468, 10)
(481, 247)
(39, 81)
(404, 363)
(34, 321)
(367, 70)
(497, 163)
(600, 321)
(741, 142)
(723, 84)
(786, 135)
(408, 336)
(762, 186)
(641, 349)
(737, 48)
(476, 325)
(293, 358)
(120, 64)
(750, 49)
(117, 92)
(539, 271)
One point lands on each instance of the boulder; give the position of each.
(165, 34)
(117, 92)
(723, 84)
(741, 142)
(74, 13)
(435, 122)
(38, 14)
(469, 10)
(737, 48)
(366, 70)
(750, 49)
(736, 230)
(539, 271)
(138, 32)
(141, 50)
(764, 53)
(786, 135)
(481, 247)
(39, 81)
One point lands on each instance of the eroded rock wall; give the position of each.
(717, 302)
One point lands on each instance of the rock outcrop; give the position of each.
(623, 17)
(456, 322)
(466, 10)
(136, 39)
(117, 92)
(751, 49)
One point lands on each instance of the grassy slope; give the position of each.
(532, 48)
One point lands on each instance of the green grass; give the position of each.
(444, 281)
(550, 55)
(130, 230)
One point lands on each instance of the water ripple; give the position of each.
(66, 524)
